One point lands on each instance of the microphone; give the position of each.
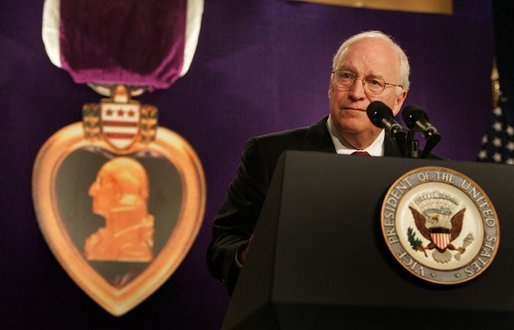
(382, 116)
(417, 121)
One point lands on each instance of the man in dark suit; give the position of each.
(368, 67)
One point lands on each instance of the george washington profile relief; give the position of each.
(120, 194)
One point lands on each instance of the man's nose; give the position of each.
(357, 92)
(92, 189)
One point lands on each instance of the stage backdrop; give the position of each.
(260, 66)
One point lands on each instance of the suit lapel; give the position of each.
(317, 138)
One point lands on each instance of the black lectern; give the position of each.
(318, 259)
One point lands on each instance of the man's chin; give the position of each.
(353, 126)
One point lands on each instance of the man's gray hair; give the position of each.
(404, 61)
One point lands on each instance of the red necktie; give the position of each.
(360, 153)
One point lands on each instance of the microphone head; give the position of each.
(411, 114)
(377, 111)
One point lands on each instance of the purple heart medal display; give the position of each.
(119, 199)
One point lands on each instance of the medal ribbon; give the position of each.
(141, 43)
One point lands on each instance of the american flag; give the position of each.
(498, 142)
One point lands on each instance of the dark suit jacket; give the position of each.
(237, 217)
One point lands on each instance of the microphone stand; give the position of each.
(412, 145)
(433, 138)
(402, 143)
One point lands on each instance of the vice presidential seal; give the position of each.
(440, 225)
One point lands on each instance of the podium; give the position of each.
(318, 259)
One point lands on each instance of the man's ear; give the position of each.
(399, 102)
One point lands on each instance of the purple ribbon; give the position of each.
(130, 42)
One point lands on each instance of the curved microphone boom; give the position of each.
(417, 121)
(382, 116)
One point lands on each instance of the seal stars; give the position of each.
(440, 225)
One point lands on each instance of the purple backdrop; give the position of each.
(260, 66)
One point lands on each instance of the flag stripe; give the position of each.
(119, 123)
(126, 130)
(441, 240)
(119, 135)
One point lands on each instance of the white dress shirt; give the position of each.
(375, 149)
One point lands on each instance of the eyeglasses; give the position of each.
(344, 80)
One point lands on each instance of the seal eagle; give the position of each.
(441, 231)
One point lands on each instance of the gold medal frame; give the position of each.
(118, 301)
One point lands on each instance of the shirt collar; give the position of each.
(375, 149)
